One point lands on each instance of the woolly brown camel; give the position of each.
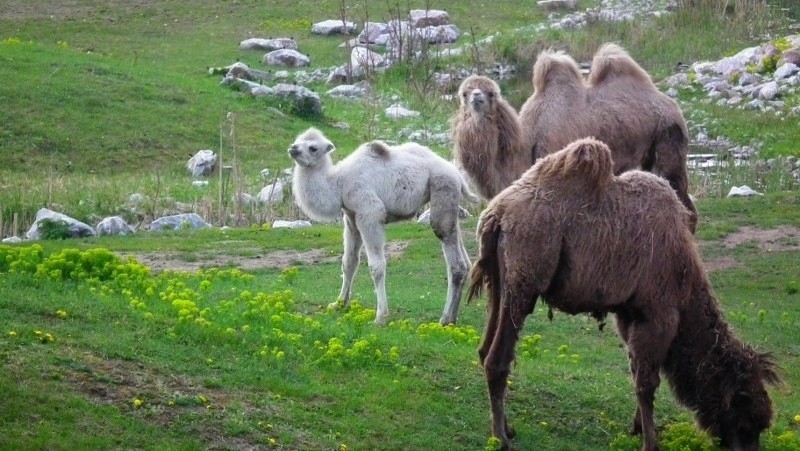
(618, 104)
(487, 136)
(621, 247)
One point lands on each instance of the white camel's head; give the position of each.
(478, 93)
(310, 147)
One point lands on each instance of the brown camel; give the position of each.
(588, 241)
(618, 104)
(487, 136)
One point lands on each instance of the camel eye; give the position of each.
(312, 148)
(491, 94)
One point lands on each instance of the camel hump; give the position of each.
(587, 160)
(610, 61)
(379, 149)
(555, 67)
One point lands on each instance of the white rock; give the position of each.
(77, 229)
(330, 27)
(281, 224)
(177, 222)
(786, 71)
(271, 194)
(361, 57)
(286, 57)
(399, 112)
(425, 18)
(114, 225)
(743, 191)
(769, 91)
(202, 163)
(268, 44)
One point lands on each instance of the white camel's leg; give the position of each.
(444, 221)
(350, 259)
(457, 269)
(370, 224)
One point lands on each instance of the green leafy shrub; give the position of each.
(54, 229)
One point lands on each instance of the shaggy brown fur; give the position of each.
(486, 133)
(587, 241)
(619, 105)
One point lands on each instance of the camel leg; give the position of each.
(445, 195)
(497, 366)
(457, 269)
(500, 354)
(648, 343)
(350, 259)
(444, 221)
(373, 235)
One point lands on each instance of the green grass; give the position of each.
(219, 382)
(105, 100)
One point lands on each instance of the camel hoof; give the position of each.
(446, 321)
(380, 321)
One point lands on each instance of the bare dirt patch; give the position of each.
(784, 238)
(160, 261)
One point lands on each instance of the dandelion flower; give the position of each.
(797, 419)
(61, 314)
(272, 441)
(137, 403)
(11, 333)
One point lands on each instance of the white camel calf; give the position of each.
(373, 186)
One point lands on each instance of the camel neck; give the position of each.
(317, 191)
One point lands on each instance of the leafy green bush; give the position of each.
(54, 229)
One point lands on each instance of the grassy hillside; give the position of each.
(106, 99)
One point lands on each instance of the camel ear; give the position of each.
(330, 148)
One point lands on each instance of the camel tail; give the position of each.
(485, 272)
(467, 193)
(612, 61)
(551, 65)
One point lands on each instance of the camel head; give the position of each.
(478, 94)
(310, 148)
(746, 409)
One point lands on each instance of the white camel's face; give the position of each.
(308, 152)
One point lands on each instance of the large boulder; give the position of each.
(177, 222)
(374, 33)
(114, 225)
(364, 60)
(439, 34)
(428, 18)
(271, 194)
(305, 102)
(76, 229)
(331, 27)
(240, 70)
(202, 163)
(286, 57)
(268, 44)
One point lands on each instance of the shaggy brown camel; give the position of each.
(618, 104)
(487, 136)
(587, 241)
